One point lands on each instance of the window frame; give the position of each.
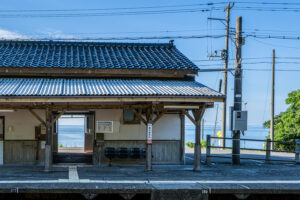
(136, 120)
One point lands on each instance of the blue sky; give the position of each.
(256, 84)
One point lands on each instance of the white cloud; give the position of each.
(53, 34)
(10, 35)
(45, 34)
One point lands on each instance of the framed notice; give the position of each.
(104, 126)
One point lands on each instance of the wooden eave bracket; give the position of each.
(158, 116)
(37, 116)
(198, 114)
(139, 115)
(59, 115)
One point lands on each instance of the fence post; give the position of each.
(268, 151)
(208, 146)
(297, 151)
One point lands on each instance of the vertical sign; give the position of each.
(149, 133)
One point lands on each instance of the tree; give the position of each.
(287, 124)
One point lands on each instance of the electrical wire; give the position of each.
(123, 38)
(118, 8)
(96, 14)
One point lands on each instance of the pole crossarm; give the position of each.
(37, 116)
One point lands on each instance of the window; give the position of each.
(129, 117)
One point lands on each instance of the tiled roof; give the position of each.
(63, 54)
(45, 87)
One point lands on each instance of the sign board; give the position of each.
(104, 126)
(149, 133)
(43, 129)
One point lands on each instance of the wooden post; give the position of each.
(202, 134)
(182, 137)
(149, 113)
(297, 151)
(268, 151)
(48, 146)
(272, 100)
(197, 149)
(208, 146)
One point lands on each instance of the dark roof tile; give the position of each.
(66, 54)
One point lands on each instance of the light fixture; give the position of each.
(180, 107)
(7, 110)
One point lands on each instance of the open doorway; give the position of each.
(71, 134)
(73, 138)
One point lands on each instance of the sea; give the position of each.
(73, 135)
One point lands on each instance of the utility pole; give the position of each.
(237, 106)
(217, 112)
(272, 101)
(224, 57)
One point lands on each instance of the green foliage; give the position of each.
(287, 124)
(60, 145)
(203, 143)
(192, 144)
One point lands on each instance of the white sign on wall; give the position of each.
(104, 126)
(149, 133)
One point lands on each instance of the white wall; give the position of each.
(166, 128)
(22, 124)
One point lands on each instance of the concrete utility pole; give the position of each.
(237, 89)
(272, 101)
(217, 112)
(223, 130)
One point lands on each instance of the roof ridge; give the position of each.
(95, 43)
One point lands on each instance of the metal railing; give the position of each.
(268, 150)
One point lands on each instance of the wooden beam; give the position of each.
(139, 115)
(37, 116)
(59, 115)
(49, 140)
(74, 106)
(189, 116)
(182, 137)
(109, 99)
(198, 114)
(159, 116)
(94, 72)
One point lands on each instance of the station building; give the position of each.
(132, 96)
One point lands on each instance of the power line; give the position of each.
(104, 33)
(253, 69)
(280, 70)
(117, 8)
(95, 14)
(268, 3)
(123, 38)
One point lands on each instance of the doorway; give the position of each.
(73, 138)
